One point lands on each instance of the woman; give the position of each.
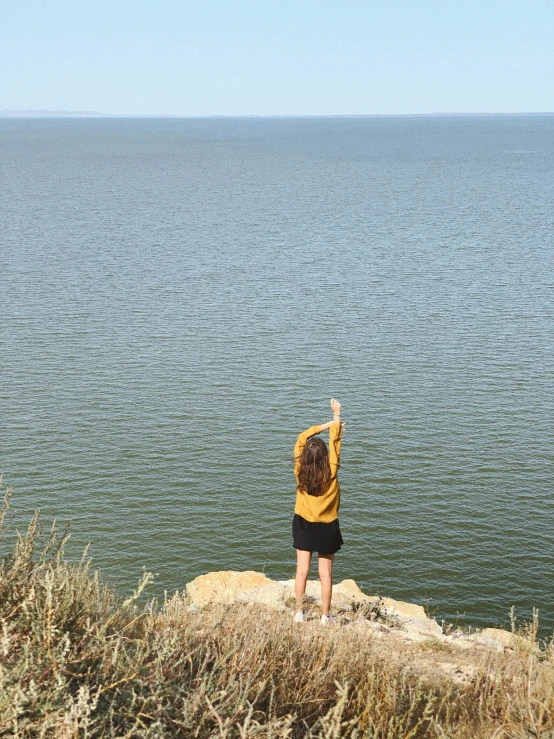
(315, 526)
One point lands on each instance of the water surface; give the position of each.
(181, 297)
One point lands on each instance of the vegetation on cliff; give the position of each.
(77, 661)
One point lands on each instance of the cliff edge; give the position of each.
(393, 622)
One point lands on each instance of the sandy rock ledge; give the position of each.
(382, 617)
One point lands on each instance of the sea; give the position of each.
(179, 298)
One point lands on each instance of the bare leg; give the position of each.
(325, 563)
(303, 562)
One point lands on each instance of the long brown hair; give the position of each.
(314, 474)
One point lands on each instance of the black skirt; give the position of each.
(324, 538)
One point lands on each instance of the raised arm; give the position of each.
(335, 435)
(335, 432)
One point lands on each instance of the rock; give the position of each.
(405, 622)
(400, 609)
(485, 641)
(345, 593)
(414, 636)
(313, 590)
(349, 590)
(425, 626)
(412, 618)
(376, 626)
(251, 587)
(228, 587)
(372, 629)
(236, 587)
(500, 639)
(508, 639)
(458, 641)
(254, 587)
(505, 638)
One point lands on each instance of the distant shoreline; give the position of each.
(57, 114)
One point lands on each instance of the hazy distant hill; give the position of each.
(50, 114)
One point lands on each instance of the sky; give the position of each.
(277, 57)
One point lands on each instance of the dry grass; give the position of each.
(76, 661)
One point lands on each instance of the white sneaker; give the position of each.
(327, 620)
(299, 617)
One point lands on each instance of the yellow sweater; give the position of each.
(324, 508)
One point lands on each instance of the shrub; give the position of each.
(77, 661)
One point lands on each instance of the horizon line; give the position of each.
(44, 113)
